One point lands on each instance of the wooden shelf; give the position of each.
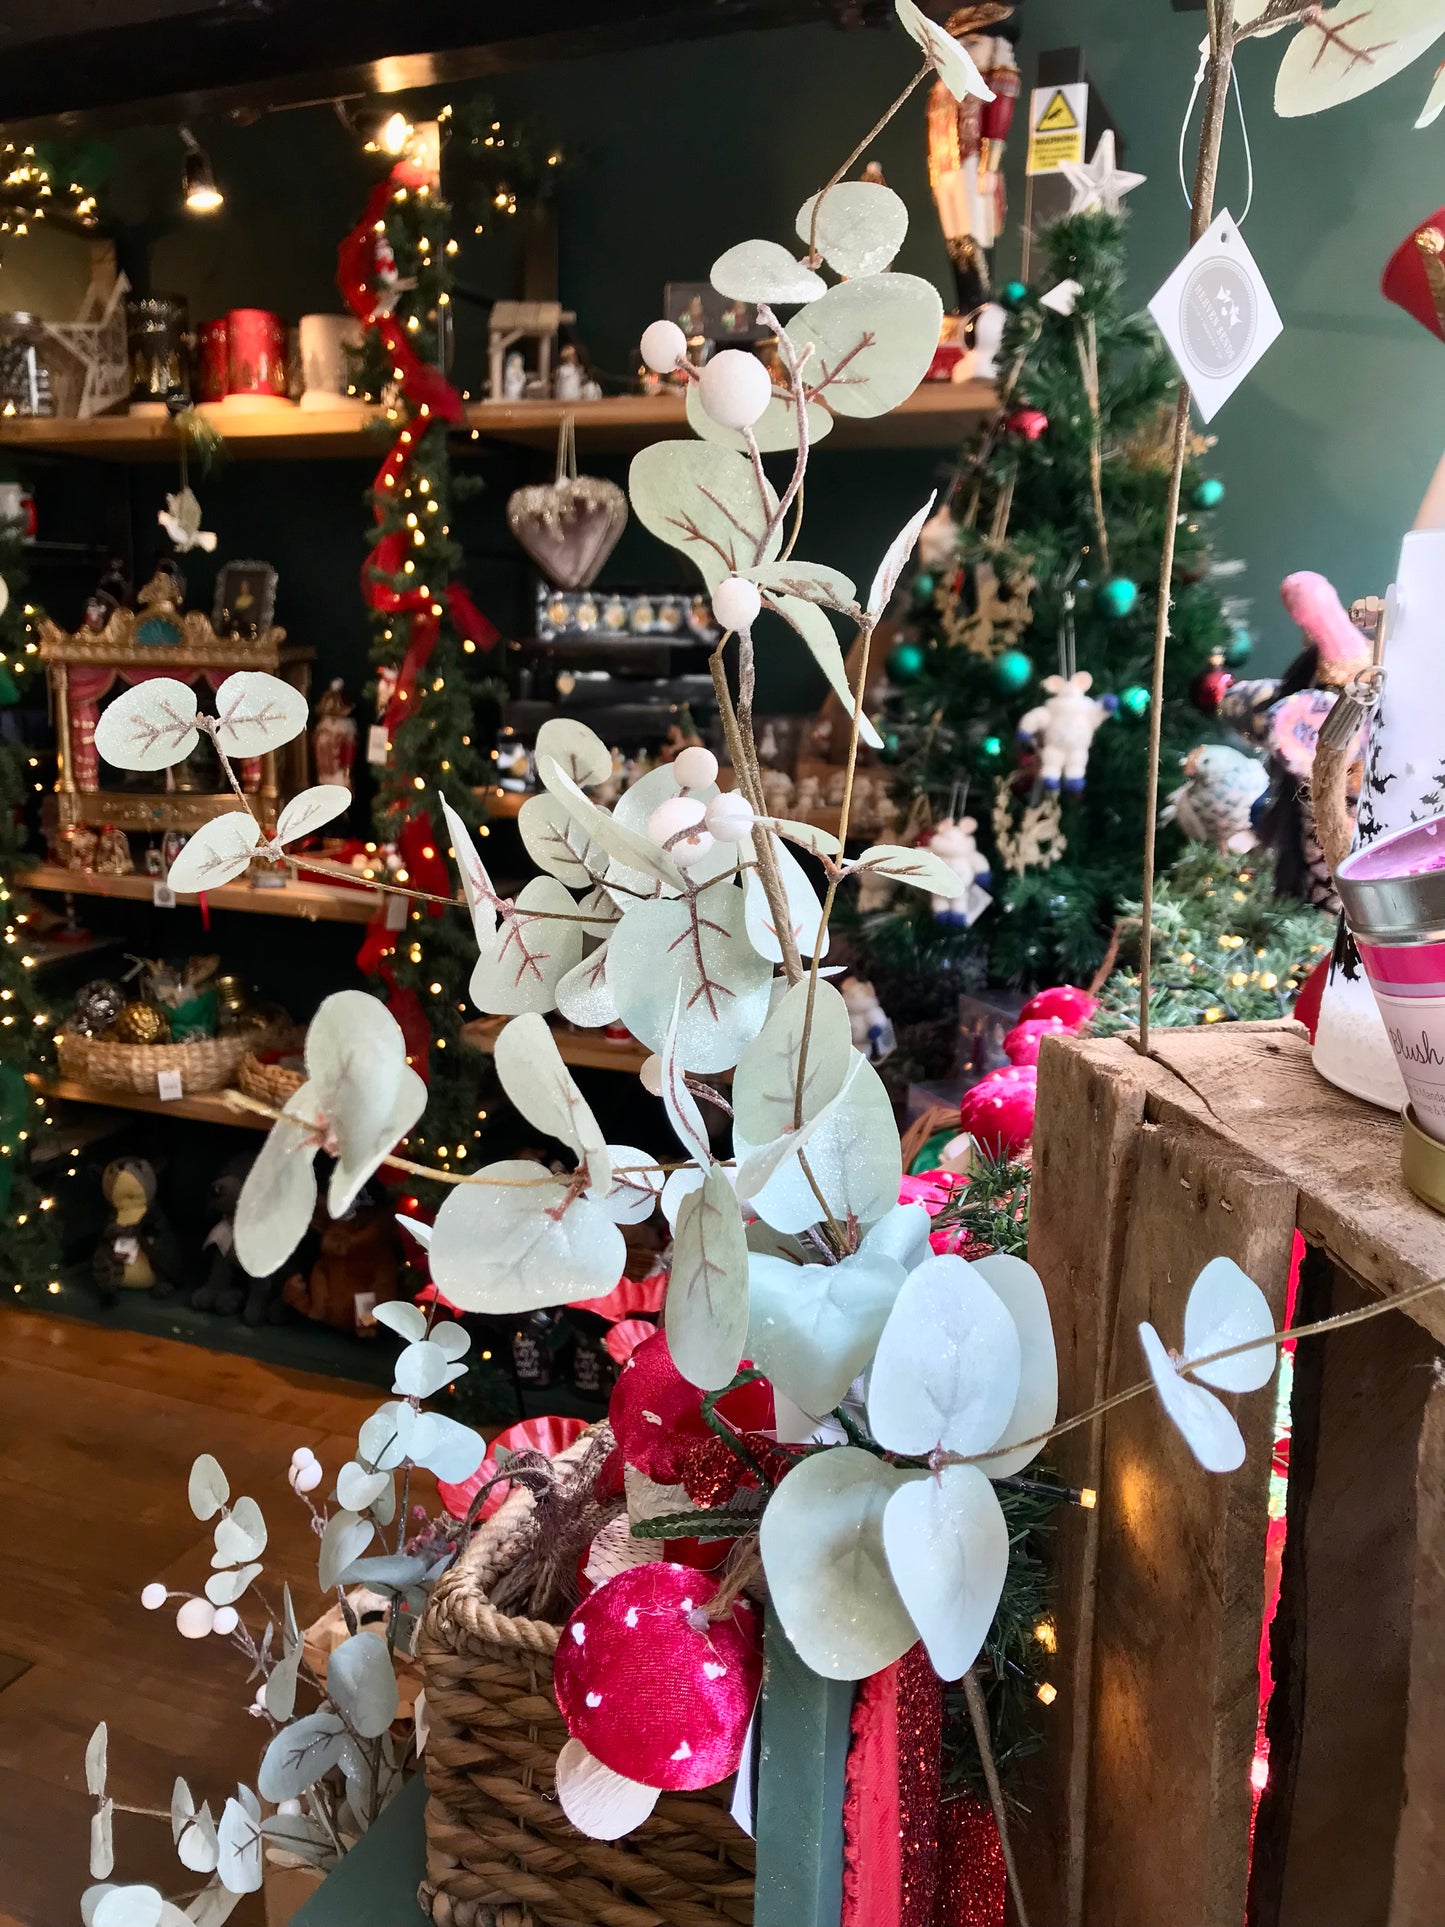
(205, 1107)
(311, 902)
(937, 415)
(584, 1049)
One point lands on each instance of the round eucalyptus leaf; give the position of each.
(208, 1488)
(775, 431)
(704, 500)
(859, 227)
(215, 854)
(516, 1243)
(1206, 1424)
(1037, 1404)
(361, 1680)
(148, 726)
(698, 948)
(256, 713)
(579, 750)
(813, 1328)
(535, 944)
(948, 1365)
(872, 342)
(1226, 1307)
(765, 271)
(947, 1547)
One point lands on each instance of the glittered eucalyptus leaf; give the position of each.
(306, 813)
(707, 1293)
(423, 1369)
(872, 341)
(536, 942)
(299, 1754)
(1037, 1404)
(775, 431)
(885, 580)
(807, 836)
(805, 913)
(540, 1086)
(765, 271)
(240, 1536)
(521, 1241)
(629, 847)
(698, 947)
(948, 1366)
(584, 996)
(215, 854)
(558, 844)
(408, 1321)
(765, 1085)
(857, 227)
(947, 1547)
(684, 1113)
(149, 726)
(477, 886)
(817, 631)
(361, 1681)
(853, 1155)
(812, 1328)
(810, 581)
(576, 748)
(949, 58)
(921, 868)
(256, 713)
(703, 500)
(208, 1487)
(636, 1185)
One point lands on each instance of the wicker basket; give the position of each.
(268, 1083)
(204, 1063)
(500, 1851)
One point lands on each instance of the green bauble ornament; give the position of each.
(923, 587)
(989, 753)
(1013, 294)
(1209, 493)
(892, 749)
(1239, 648)
(1012, 671)
(9, 689)
(1134, 701)
(905, 663)
(1118, 596)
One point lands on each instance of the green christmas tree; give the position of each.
(29, 1251)
(1045, 564)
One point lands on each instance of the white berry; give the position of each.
(303, 1455)
(153, 1597)
(736, 602)
(195, 1618)
(695, 767)
(663, 346)
(650, 1075)
(226, 1621)
(680, 817)
(730, 817)
(735, 388)
(305, 1478)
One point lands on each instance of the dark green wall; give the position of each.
(677, 152)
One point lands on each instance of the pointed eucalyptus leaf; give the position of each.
(923, 869)
(704, 500)
(947, 1546)
(356, 1487)
(636, 1185)
(809, 581)
(872, 341)
(558, 843)
(575, 748)
(1226, 1307)
(102, 1842)
(183, 1807)
(95, 1763)
(241, 1536)
(764, 271)
(279, 1694)
(807, 836)
(822, 1547)
(344, 1540)
(250, 1804)
(817, 631)
(628, 846)
(300, 1834)
(361, 1681)
(853, 1155)
(948, 1366)
(208, 1487)
(584, 996)
(423, 1369)
(408, 1321)
(537, 941)
(362, 1086)
(540, 1086)
(306, 813)
(894, 562)
(386, 1572)
(812, 1328)
(805, 913)
(385, 1438)
(775, 431)
(1205, 1422)
(149, 726)
(698, 947)
(520, 1242)
(273, 1213)
(949, 58)
(225, 1588)
(199, 1846)
(684, 1113)
(449, 1450)
(859, 227)
(765, 1084)
(477, 885)
(256, 713)
(217, 853)
(706, 1315)
(299, 1755)
(1037, 1404)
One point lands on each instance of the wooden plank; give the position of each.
(588, 1049)
(1181, 1560)
(312, 902)
(202, 1107)
(1419, 1872)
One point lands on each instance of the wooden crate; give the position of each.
(1226, 1141)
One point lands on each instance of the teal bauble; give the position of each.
(1117, 597)
(1134, 701)
(1239, 648)
(1012, 671)
(989, 753)
(1013, 294)
(923, 587)
(905, 663)
(892, 749)
(1209, 493)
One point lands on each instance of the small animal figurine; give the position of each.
(226, 1288)
(1062, 727)
(136, 1250)
(953, 841)
(872, 1031)
(1216, 801)
(357, 1270)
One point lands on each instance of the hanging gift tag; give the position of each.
(168, 1084)
(378, 743)
(396, 913)
(1216, 315)
(162, 895)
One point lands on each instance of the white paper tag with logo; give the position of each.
(162, 895)
(378, 743)
(1216, 315)
(168, 1084)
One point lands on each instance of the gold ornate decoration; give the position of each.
(999, 617)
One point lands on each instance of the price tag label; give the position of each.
(162, 895)
(396, 908)
(168, 1085)
(1216, 315)
(378, 744)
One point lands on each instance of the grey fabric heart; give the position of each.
(568, 527)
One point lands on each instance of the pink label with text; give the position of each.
(1409, 985)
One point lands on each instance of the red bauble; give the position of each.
(545, 1434)
(1066, 1001)
(1021, 1045)
(1028, 422)
(1206, 692)
(656, 1414)
(651, 1686)
(998, 1113)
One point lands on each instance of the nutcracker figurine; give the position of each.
(965, 148)
(333, 740)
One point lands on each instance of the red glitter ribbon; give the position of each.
(972, 1878)
(891, 1797)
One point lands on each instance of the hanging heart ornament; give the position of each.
(571, 525)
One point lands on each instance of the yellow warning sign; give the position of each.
(1056, 126)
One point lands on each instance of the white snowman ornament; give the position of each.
(953, 841)
(1063, 728)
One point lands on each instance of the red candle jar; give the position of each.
(255, 352)
(212, 369)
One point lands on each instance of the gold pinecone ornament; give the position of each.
(141, 1024)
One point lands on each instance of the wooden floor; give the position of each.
(97, 1433)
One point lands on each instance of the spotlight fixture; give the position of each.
(202, 194)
